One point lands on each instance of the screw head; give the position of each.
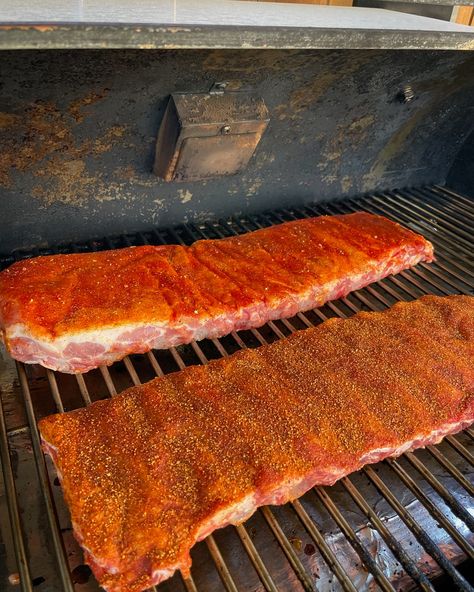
(406, 94)
(14, 579)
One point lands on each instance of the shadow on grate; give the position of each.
(404, 523)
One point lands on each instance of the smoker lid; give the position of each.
(28, 24)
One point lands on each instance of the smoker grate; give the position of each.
(395, 525)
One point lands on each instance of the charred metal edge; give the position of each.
(145, 36)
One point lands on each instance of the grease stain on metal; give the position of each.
(42, 141)
(308, 94)
(184, 195)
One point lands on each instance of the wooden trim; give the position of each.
(320, 2)
(463, 15)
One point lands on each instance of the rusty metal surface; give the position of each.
(78, 133)
(208, 135)
(220, 107)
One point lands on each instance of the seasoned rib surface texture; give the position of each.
(159, 467)
(75, 312)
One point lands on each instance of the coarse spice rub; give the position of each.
(150, 472)
(75, 312)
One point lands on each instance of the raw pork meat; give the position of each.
(75, 312)
(159, 467)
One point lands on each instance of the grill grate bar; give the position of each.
(455, 207)
(55, 391)
(220, 564)
(198, 351)
(56, 539)
(326, 551)
(189, 584)
(459, 200)
(351, 536)
(108, 380)
(457, 217)
(410, 277)
(238, 340)
(131, 371)
(454, 471)
(13, 509)
(447, 279)
(83, 389)
(154, 364)
(419, 532)
(447, 497)
(257, 561)
(418, 212)
(431, 507)
(288, 549)
(440, 214)
(454, 224)
(462, 450)
(397, 550)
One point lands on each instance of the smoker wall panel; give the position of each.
(461, 175)
(78, 132)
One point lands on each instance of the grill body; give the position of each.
(79, 133)
(78, 137)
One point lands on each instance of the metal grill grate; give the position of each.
(394, 525)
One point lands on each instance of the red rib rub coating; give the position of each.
(162, 465)
(75, 312)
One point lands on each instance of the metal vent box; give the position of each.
(205, 135)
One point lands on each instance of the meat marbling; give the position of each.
(75, 312)
(159, 467)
